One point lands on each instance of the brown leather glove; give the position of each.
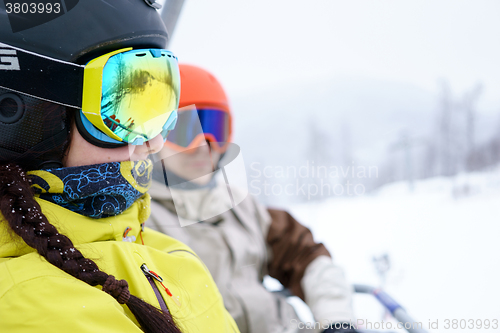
(293, 248)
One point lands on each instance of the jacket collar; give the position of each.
(193, 205)
(80, 229)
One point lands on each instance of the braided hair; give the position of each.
(25, 218)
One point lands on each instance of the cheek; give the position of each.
(82, 152)
(166, 152)
(176, 163)
(115, 154)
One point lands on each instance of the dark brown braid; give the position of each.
(25, 218)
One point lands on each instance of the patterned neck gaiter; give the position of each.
(97, 191)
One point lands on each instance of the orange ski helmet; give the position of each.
(201, 89)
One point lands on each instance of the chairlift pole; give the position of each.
(170, 13)
(397, 311)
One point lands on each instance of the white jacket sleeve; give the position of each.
(327, 292)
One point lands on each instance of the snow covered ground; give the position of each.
(443, 240)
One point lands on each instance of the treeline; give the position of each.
(451, 148)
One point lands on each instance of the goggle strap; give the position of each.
(41, 77)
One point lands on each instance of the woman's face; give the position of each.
(81, 152)
(195, 165)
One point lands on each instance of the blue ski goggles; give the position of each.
(196, 126)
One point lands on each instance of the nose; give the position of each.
(155, 144)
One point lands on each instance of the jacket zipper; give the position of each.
(151, 277)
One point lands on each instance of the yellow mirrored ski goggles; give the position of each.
(125, 96)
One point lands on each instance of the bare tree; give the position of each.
(470, 108)
(445, 131)
(319, 155)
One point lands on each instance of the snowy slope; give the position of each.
(443, 240)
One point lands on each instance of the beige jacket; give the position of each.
(242, 245)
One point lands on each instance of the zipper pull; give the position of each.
(140, 232)
(158, 278)
(126, 237)
(147, 272)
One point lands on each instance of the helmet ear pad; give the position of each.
(11, 108)
(32, 130)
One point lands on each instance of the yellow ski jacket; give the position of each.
(36, 296)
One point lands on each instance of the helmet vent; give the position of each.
(11, 108)
(140, 54)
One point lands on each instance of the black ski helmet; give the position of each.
(33, 131)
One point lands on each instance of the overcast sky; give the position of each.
(251, 45)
